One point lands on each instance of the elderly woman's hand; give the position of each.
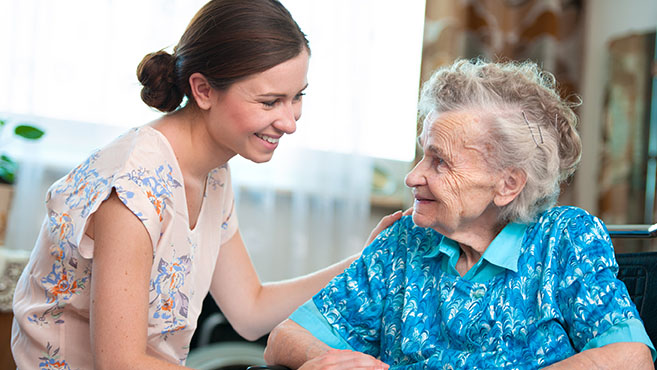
(626, 355)
(344, 359)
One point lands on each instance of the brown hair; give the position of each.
(226, 41)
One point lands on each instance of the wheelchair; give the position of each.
(216, 346)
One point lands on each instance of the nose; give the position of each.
(287, 121)
(416, 177)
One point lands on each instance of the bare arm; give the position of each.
(293, 346)
(625, 355)
(253, 308)
(119, 290)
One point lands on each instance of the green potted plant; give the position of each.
(8, 168)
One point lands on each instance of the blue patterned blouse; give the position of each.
(539, 294)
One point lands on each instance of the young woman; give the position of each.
(137, 234)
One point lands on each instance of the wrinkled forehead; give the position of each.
(454, 127)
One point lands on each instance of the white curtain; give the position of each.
(303, 215)
(69, 67)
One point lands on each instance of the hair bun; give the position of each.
(156, 73)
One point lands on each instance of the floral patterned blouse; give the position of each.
(539, 294)
(51, 302)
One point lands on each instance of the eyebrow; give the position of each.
(435, 150)
(432, 149)
(279, 95)
(420, 143)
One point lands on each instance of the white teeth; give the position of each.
(268, 139)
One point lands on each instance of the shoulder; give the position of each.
(130, 147)
(148, 160)
(93, 177)
(133, 140)
(563, 212)
(402, 238)
(573, 234)
(574, 220)
(137, 164)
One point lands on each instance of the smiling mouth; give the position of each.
(268, 139)
(422, 199)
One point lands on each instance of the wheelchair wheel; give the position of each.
(226, 356)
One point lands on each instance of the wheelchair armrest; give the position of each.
(270, 367)
(633, 231)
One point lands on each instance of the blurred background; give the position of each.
(68, 67)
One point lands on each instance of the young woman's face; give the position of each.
(251, 116)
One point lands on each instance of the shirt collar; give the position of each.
(503, 251)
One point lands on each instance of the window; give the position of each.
(75, 60)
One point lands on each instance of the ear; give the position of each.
(201, 90)
(509, 186)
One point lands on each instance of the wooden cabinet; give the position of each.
(6, 359)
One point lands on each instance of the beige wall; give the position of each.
(605, 19)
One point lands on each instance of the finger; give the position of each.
(408, 211)
(383, 224)
(388, 220)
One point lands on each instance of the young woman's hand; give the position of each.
(385, 223)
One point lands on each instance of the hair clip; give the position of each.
(532, 131)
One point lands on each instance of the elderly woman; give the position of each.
(486, 273)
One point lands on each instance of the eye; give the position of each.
(298, 96)
(270, 104)
(437, 162)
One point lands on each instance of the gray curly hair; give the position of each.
(530, 126)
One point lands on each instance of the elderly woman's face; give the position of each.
(453, 186)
